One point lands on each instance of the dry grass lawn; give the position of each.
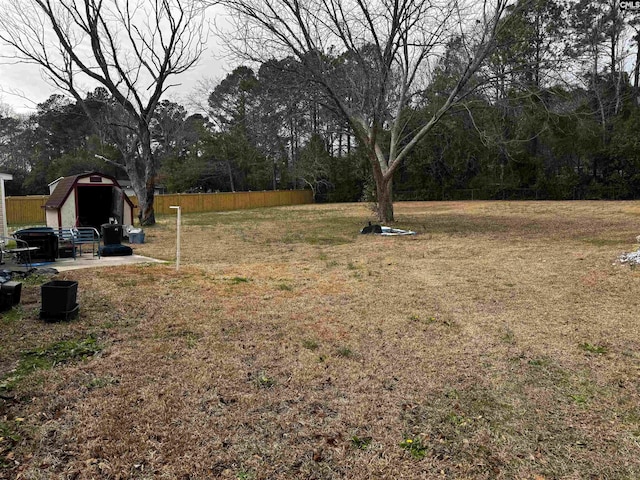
(501, 342)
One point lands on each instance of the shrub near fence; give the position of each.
(28, 209)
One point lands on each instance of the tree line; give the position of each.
(541, 99)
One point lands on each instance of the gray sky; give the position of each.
(22, 86)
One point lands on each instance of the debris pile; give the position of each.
(385, 231)
(388, 231)
(631, 258)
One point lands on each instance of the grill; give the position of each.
(42, 237)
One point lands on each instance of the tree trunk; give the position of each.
(140, 186)
(275, 175)
(145, 192)
(146, 177)
(384, 197)
(147, 213)
(385, 203)
(636, 69)
(230, 173)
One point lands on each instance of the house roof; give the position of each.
(67, 184)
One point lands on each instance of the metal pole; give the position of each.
(177, 238)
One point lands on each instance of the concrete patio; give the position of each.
(87, 260)
(91, 261)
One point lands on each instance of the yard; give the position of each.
(503, 341)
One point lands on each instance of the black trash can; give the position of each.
(59, 300)
(44, 238)
(111, 234)
(10, 294)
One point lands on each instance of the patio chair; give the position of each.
(18, 249)
(86, 236)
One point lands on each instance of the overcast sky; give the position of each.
(22, 86)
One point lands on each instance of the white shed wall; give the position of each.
(52, 218)
(3, 215)
(68, 211)
(127, 215)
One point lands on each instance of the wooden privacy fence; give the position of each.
(28, 209)
(217, 202)
(21, 210)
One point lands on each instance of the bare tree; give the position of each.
(130, 47)
(313, 166)
(371, 58)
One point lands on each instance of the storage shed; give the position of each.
(87, 200)
(3, 205)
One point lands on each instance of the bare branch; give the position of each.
(130, 47)
(371, 57)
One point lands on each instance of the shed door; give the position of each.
(117, 204)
